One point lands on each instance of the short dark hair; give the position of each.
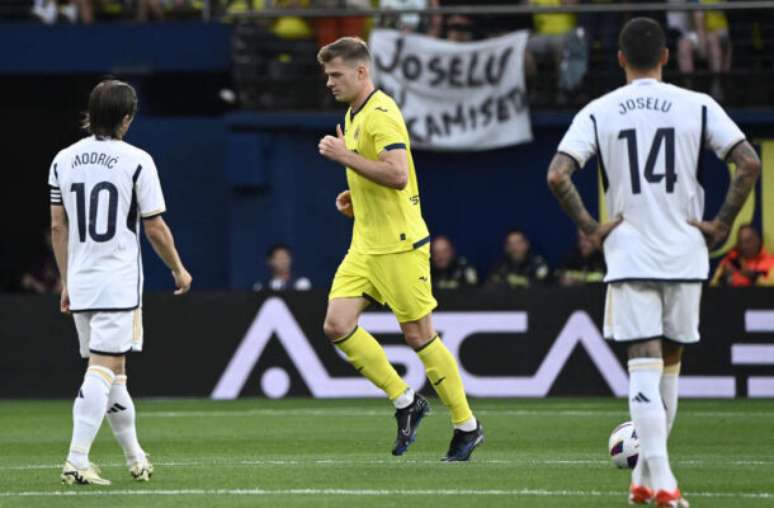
(642, 41)
(109, 102)
(277, 247)
(350, 49)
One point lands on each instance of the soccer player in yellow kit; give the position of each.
(389, 258)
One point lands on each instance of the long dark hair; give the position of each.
(109, 103)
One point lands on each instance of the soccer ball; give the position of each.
(624, 446)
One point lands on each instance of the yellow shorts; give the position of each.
(400, 280)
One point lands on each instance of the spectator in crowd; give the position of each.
(520, 267)
(447, 270)
(328, 30)
(459, 27)
(601, 32)
(585, 265)
(703, 34)
(43, 275)
(416, 23)
(51, 11)
(747, 264)
(284, 27)
(279, 259)
(556, 40)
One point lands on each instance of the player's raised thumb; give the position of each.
(339, 133)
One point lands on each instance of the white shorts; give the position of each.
(109, 333)
(649, 310)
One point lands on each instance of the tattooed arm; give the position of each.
(560, 181)
(748, 167)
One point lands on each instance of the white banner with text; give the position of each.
(456, 96)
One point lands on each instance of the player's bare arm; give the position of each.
(560, 181)
(160, 237)
(59, 239)
(391, 170)
(748, 167)
(344, 204)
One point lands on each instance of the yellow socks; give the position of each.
(441, 369)
(368, 357)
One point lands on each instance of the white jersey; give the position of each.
(649, 137)
(105, 186)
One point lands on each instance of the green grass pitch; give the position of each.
(539, 453)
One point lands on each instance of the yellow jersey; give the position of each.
(552, 24)
(386, 220)
(714, 20)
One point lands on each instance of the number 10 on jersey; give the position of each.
(94, 196)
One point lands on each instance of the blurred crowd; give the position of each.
(567, 44)
(89, 11)
(562, 46)
(519, 265)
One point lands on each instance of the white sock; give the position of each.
(668, 389)
(121, 416)
(669, 393)
(468, 425)
(88, 412)
(640, 473)
(649, 417)
(404, 399)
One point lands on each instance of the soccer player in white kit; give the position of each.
(100, 188)
(649, 137)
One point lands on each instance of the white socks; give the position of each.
(468, 425)
(668, 389)
(669, 393)
(404, 399)
(650, 420)
(121, 416)
(88, 411)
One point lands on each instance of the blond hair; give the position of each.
(350, 49)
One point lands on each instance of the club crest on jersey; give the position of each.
(356, 136)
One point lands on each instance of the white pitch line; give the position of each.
(397, 462)
(366, 492)
(371, 413)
